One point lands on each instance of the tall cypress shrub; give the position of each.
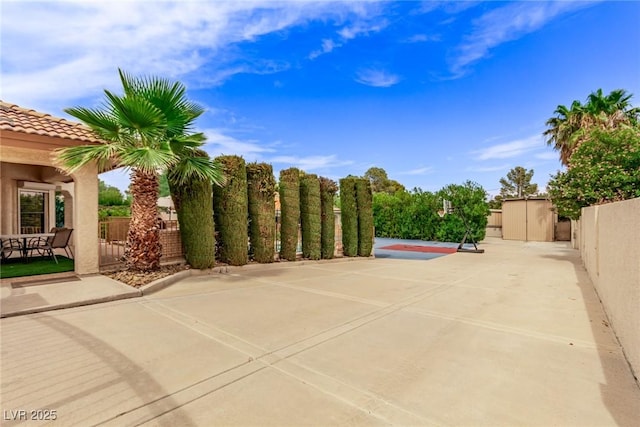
(349, 215)
(261, 189)
(230, 206)
(289, 212)
(310, 216)
(328, 189)
(192, 199)
(364, 201)
(194, 205)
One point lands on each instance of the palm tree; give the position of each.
(146, 130)
(571, 126)
(562, 127)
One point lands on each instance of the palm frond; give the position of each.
(139, 116)
(198, 167)
(182, 144)
(71, 159)
(104, 125)
(148, 159)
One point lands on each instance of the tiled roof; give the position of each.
(19, 119)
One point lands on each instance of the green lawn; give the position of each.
(17, 268)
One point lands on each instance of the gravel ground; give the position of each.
(137, 279)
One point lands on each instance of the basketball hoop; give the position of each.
(441, 212)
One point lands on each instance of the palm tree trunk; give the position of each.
(143, 249)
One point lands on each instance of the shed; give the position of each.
(530, 219)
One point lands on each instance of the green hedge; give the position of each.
(261, 189)
(328, 189)
(364, 203)
(407, 215)
(230, 206)
(310, 216)
(349, 215)
(414, 215)
(289, 212)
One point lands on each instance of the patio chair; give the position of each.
(46, 246)
(9, 246)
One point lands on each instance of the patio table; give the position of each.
(24, 251)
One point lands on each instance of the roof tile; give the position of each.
(17, 119)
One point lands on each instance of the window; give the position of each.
(33, 211)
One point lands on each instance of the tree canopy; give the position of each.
(604, 168)
(518, 184)
(380, 182)
(571, 126)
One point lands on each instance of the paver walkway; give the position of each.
(515, 336)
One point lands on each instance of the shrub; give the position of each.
(290, 212)
(261, 188)
(310, 216)
(230, 206)
(349, 215)
(364, 204)
(194, 204)
(328, 189)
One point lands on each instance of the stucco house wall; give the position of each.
(27, 141)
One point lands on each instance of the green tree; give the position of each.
(518, 183)
(380, 182)
(109, 195)
(572, 126)
(468, 201)
(495, 203)
(147, 129)
(605, 168)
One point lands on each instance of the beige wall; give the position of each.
(26, 164)
(609, 242)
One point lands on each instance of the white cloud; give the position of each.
(310, 163)
(327, 46)
(419, 171)
(362, 28)
(55, 52)
(218, 143)
(422, 38)
(376, 78)
(510, 149)
(506, 23)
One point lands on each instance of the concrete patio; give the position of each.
(515, 336)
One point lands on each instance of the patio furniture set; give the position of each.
(42, 244)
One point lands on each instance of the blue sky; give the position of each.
(433, 92)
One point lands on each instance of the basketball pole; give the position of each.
(468, 234)
(449, 209)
